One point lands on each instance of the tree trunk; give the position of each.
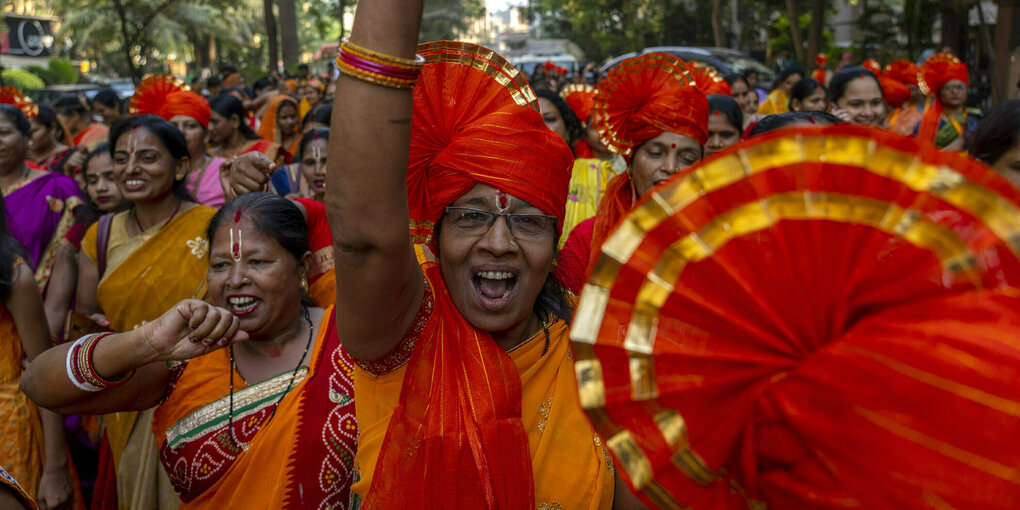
(288, 34)
(136, 75)
(989, 48)
(815, 31)
(274, 50)
(717, 30)
(951, 27)
(798, 40)
(1007, 37)
(341, 7)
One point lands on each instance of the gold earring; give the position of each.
(304, 285)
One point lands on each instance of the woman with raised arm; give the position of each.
(458, 330)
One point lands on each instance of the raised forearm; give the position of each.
(366, 182)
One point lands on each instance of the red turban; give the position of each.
(872, 65)
(12, 96)
(895, 93)
(476, 120)
(646, 96)
(903, 71)
(187, 103)
(939, 69)
(708, 80)
(580, 99)
(153, 92)
(936, 72)
(821, 59)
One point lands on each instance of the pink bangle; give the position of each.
(375, 67)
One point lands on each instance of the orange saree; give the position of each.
(302, 457)
(569, 462)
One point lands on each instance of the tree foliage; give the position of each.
(445, 19)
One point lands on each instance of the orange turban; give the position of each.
(152, 94)
(939, 69)
(580, 99)
(903, 71)
(187, 103)
(708, 80)
(872, 65)
(476, 120)
(12, 96)
(895, 93)
(646, 96)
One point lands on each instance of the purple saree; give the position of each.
(39, 214)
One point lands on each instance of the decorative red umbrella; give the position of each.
(817, 318)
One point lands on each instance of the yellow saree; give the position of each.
(145, 276)
(587, 185)
(572, 467)
(776, 102)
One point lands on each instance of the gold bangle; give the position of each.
(373, 78)
(416, 63)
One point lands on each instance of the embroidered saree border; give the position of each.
(246, 402)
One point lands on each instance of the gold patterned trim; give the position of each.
(485, 60)
(998, 214)
(246, 402)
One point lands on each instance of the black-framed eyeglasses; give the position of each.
(476, 222)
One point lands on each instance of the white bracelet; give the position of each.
(71, 364)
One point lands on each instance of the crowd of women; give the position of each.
(207, 304)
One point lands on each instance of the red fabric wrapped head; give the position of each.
(708, 80)
(580, 99)
(12, 96)
(153, 92)
(903, 71)
(939, 69)
(187, 103)
(895, 93)
(646, 96)
(821, 59)
(872, 65)
(476, 121)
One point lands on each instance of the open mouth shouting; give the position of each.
(494, 289)
(242, 305)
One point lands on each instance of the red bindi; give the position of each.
(672, 146)
(717, 113)
(502, 200)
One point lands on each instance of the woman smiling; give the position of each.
(126, 277)
(251, 384)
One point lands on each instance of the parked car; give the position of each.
(48, 95)
(528, 63)
(724, 60)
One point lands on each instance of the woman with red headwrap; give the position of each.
(649, 111)
(947, 120)
(190, 113)
(905, 118)
(459, 330)
(171, 99)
